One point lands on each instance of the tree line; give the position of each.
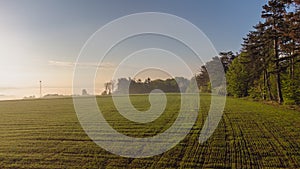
(268, 66)
(132, 86)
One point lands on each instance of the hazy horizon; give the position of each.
(42, 39)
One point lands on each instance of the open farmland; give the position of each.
(45, 133)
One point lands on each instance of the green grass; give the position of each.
(46, 134)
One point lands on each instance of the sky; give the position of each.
(41, 40)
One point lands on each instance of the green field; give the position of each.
(45, 133)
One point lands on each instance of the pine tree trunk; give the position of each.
(278, 80)
(292, 67)
(265, 85)
(269, 87)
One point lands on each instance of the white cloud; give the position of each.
(85, 64)
(60, 63)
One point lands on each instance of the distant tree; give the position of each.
(147, 81)
(215, 69)
(210, 76)
(109, 86)
(202, 79)
(123, 85)
(182, 83)
(84, 92)
(226, 58)
(238, 78)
